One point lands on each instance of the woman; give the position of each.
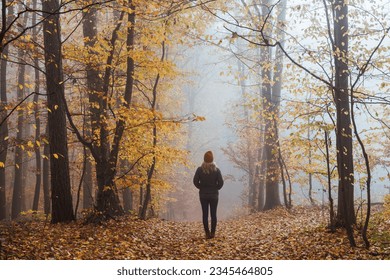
(208, 180)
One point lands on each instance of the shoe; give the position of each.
(212, 234)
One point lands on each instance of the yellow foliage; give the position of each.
(386, 211)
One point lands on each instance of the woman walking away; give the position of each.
(208, 180)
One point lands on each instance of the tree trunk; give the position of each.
(148, 195)
(272, 198)
(107, 201)
(3, 135)
(3, 113)
(94, 83)
(261, 180)
(127, 200)
(17, 197)
(344, 131)
(62, 209)
(331, 209)
(106, 157)
(46, 177)
(271, 92)
(346, 212)
(310, 160)
(88, 183)
(38, 161)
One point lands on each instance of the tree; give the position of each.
(269, 79)
(62, 209)
(105, 155)
(346, 211)
(38, 162)
(18, 188)
(3, 108)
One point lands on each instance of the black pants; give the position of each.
(213, 203)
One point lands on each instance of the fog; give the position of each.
(214, 93)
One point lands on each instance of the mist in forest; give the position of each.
(214, 94)
(210, 90)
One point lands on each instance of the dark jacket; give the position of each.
(208, 184)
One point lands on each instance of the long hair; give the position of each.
(209, 167)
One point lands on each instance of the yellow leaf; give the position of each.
(55, 156)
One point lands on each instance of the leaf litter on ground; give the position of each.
(298, 234)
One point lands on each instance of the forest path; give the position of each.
(275, 234)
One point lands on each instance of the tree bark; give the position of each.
(62, 209)
(17, 195)
(344, 131)
(345, 212)
(46, 177)
(38, 161)
(127, 200)
(3, 135)
(272, 93)
(261, 170)
(4, 50)
(88, 183)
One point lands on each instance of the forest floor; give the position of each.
(298, 234)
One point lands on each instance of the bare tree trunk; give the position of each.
(94, 83)
(17, 195)
(88, 183)
(148, 194)
(261, 180)
(368, 169)
(346, 213)
(18, 173)
(3, 135)
(310, 173)
(38, 161)
(46, 176)
(272, 93)
(8, 17)
(62, 209)
(127, 200)
(331, 206)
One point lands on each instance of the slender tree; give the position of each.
(46, 175)
(17, 196)
(62, 209)
(7, 17)
(345, 212)
(38, 161)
